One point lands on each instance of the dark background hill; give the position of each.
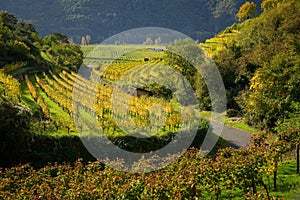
(100, 19)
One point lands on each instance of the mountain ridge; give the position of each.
(200, 19)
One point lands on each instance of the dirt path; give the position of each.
(236, 138)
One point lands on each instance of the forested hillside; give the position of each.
(23, 50)
(199, 19)
(259, 61)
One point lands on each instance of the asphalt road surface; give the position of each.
(236, 138)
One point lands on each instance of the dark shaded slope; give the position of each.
(102, 18)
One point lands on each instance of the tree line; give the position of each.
(22, 47)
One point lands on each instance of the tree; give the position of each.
(65, 55)
(71, 40)
(259, 43)
(55, 37)
(247, 11)
(88, 39)
(148, 41)
(268, 4)
(9, 20)
(272, 42)
(176, 56)
(19, 42)
(158, 41)
(273, 92)
(83, 41)
(15, 134)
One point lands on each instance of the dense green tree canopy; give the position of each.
(21, 46)
(17, 41)
(260, 66)
(15, 120)
(189, 59)
(247, 10)
(65, 55)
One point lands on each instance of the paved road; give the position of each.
(235, 137)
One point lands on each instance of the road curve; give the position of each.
(236, 138)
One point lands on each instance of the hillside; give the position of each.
(259, 63)
(199, 19)
(24, 51)
(123, 106)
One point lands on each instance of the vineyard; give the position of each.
(232, 175)
(68, 113)
(9, 87)
(214, 45)
(103, 55)
(86, 101)
(105, 102)
(69, 105)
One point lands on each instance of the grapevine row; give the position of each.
(11, 87)
(58, 86)
(66, 103)
(14, 66)
(63, 88)
(61, 82)
(116, 70)
(37, 97)
(80, 82)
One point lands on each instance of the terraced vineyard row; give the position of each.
(104, 55)
(104, 96)
(116, 70)
(213, 45)
(109, 52)
(136, 107)
(53, 108)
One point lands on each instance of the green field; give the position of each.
(98, 55)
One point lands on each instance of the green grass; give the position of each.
(287, 183)
(241, 125)
(123, 52)
(57, 113)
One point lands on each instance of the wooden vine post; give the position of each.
(297, 158)
(275, 175)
